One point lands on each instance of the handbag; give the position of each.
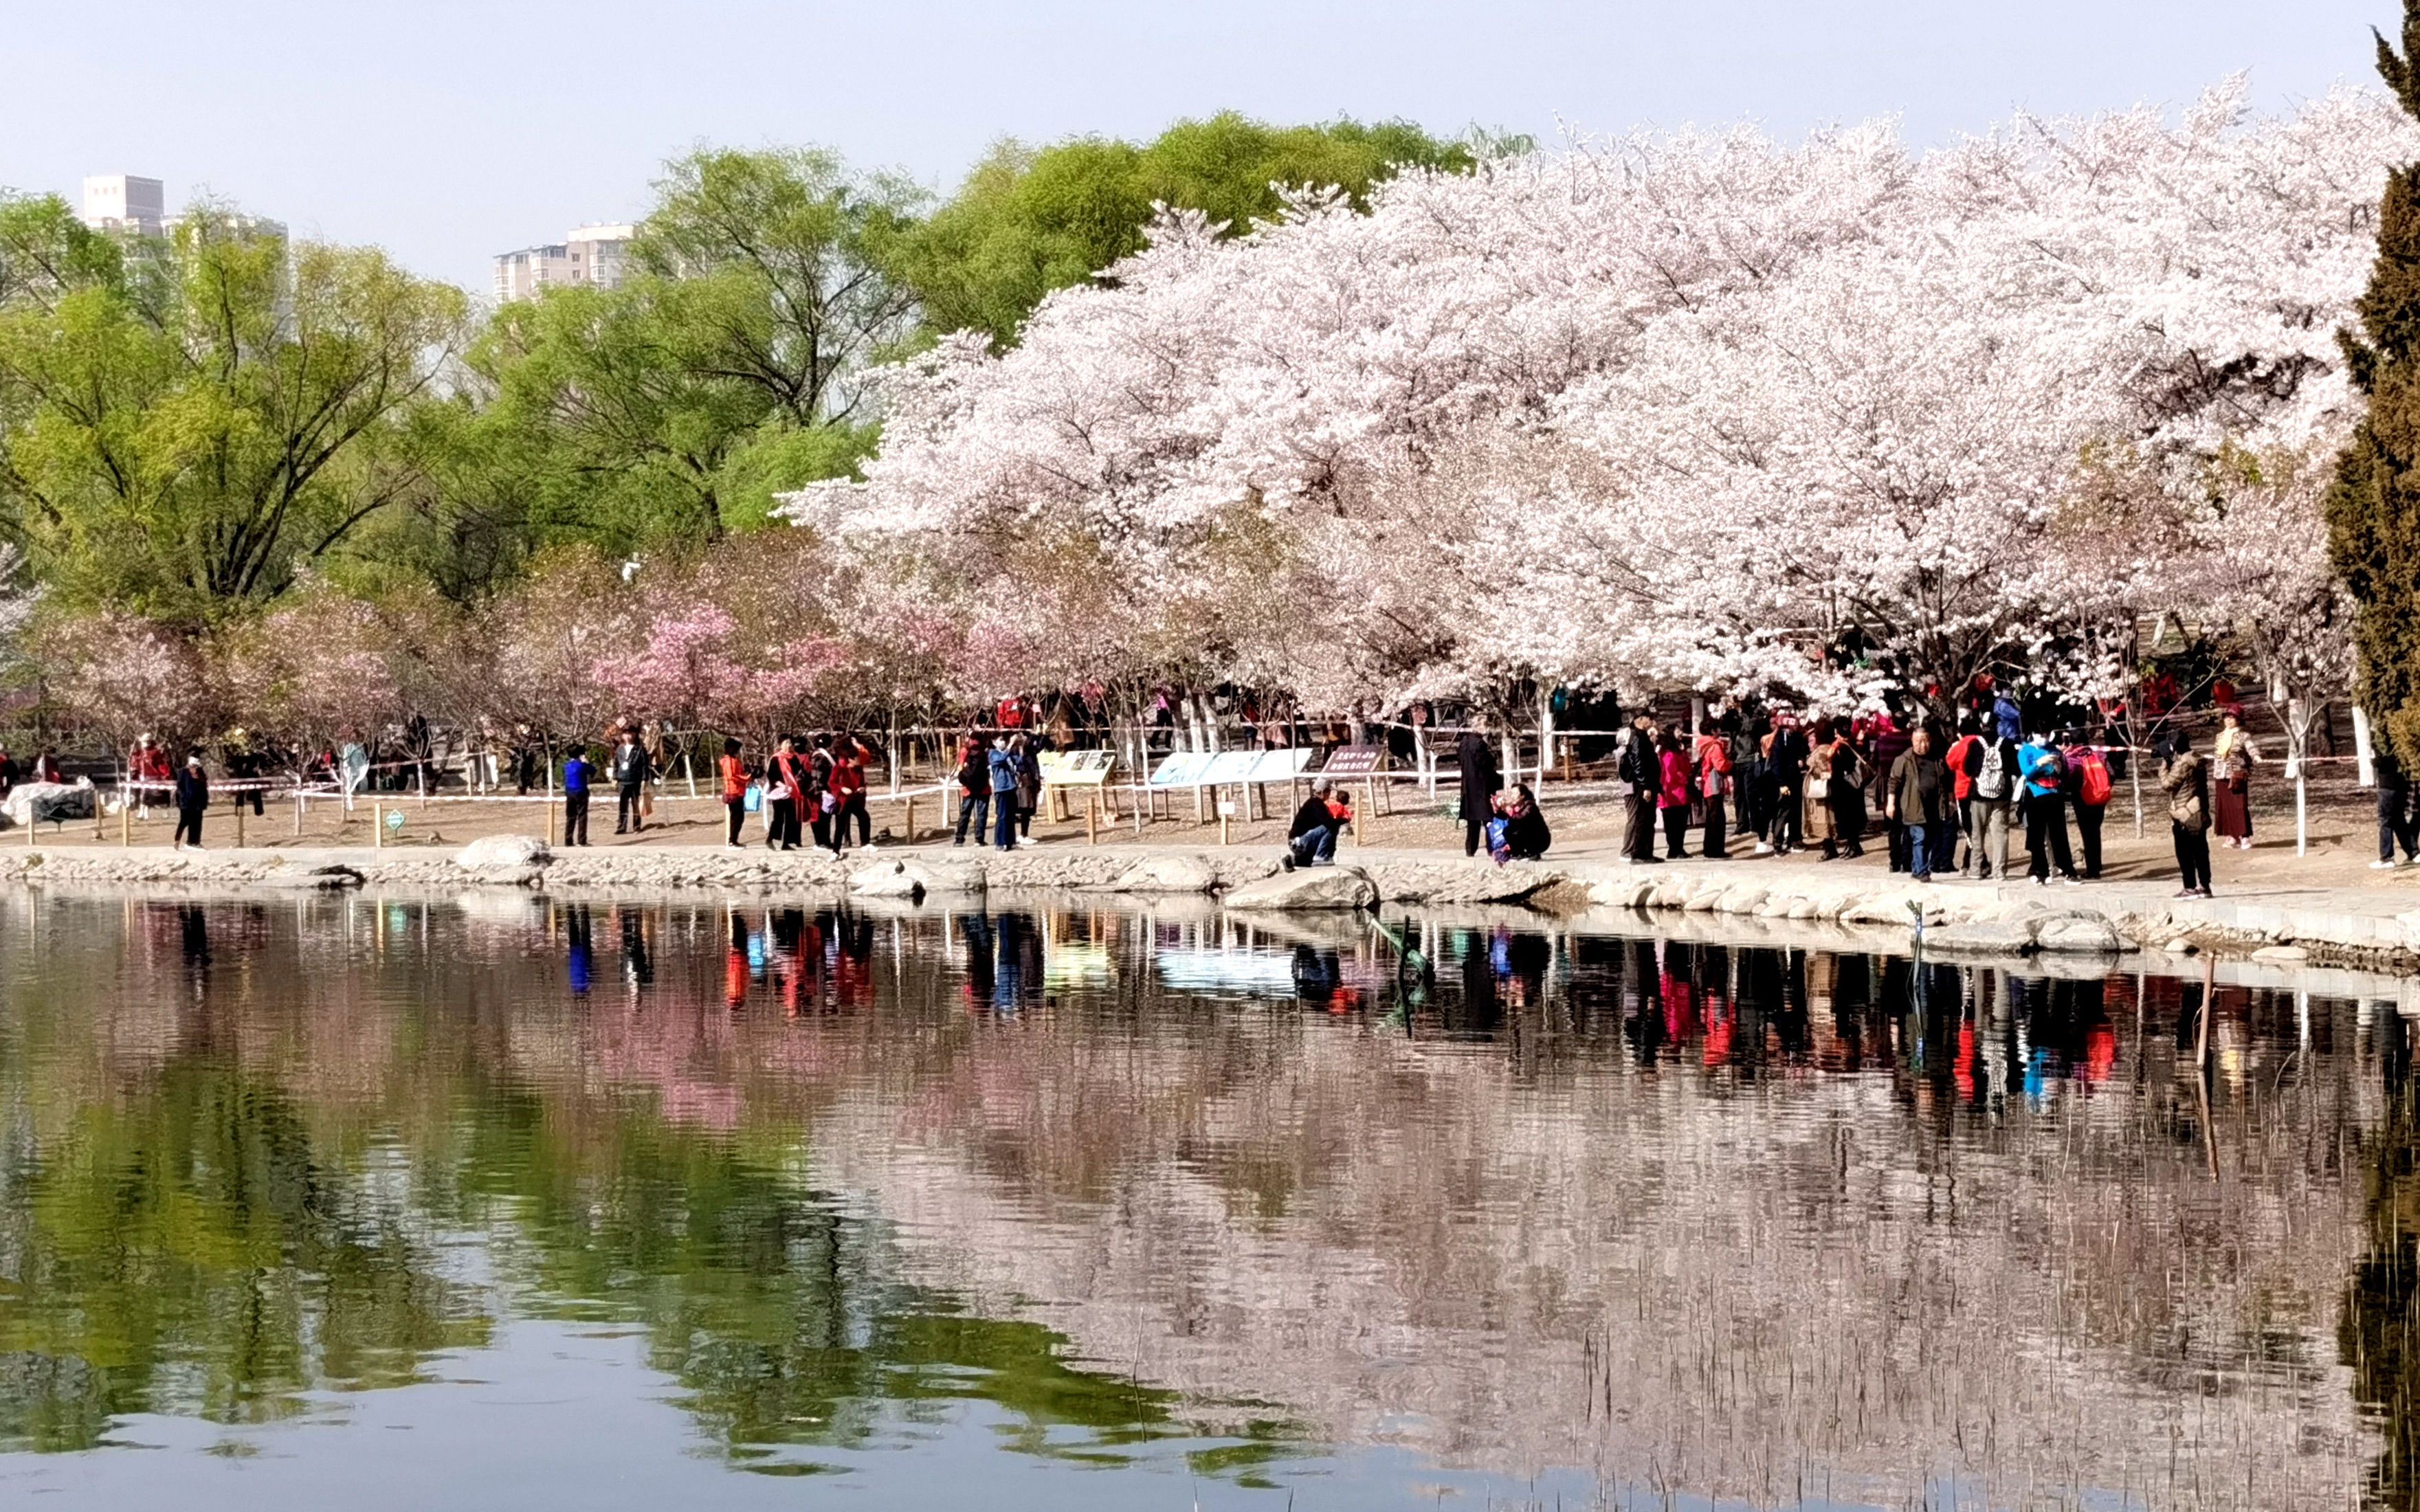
(1819, 787)
(752, 801)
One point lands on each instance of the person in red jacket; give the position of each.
(1713, 755)
(1963, 788)
(734, 791)
(847, 785)
(1672, 801)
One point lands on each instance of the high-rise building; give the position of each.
(135, 207)
(121, 202)
(592, 254)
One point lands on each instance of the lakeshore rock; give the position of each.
(914, 879)
(317, 879)
(1323, 886)
(1988, 936)
(1167, 873)
(503, 853)
(2281, 954)
(2079, 935)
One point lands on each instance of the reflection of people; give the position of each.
(637, 969)
(576, 959)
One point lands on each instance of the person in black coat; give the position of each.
(1526, 835)
(1311, 839)
(1481, 782)
(1642, 768)
(2396, 825)
(193, 797)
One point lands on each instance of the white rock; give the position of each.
(2079, 935)
(1167, 873)
(914, 879)
(2281, 954)
(1743, 898)
(2181, 946)
(1320, 886)
(503, 853)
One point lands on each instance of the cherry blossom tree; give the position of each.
(1662, 412)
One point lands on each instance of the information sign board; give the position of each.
(1076, 768)
(1355, 761)
(1228, 768)
(1181, 769)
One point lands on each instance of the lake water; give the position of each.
(388, 1203)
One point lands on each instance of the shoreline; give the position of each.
(2375, 930)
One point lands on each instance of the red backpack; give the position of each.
(2092, 783)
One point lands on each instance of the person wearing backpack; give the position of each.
(2090, 773)
(2186, 780)
(1990, 768)
(2044, 793)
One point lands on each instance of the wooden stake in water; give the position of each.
(2201, 1021)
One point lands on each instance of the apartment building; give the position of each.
(122, 202)
(590, 254)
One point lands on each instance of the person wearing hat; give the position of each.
(193, 797)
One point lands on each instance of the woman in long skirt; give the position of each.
(1816, 822)
(2230, 781)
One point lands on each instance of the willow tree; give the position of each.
(2374, 507)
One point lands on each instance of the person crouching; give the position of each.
(1311, 839)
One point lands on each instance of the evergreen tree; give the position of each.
(2374, 507)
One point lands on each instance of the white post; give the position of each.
(1545, 737)
(2298, 728)
(2363, 753)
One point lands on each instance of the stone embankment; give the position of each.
(2363, 929)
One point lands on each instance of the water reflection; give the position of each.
(1170, 1190)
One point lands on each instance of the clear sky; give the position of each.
(449, 131)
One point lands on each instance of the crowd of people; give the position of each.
(1941, 797)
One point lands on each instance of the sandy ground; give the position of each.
(1586, 822)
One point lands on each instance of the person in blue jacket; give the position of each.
(1003, 792)
(576, 773)
(2045, 799)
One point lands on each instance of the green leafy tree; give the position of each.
(1027, 220)
(184, 423)
(2374, 506)
(669, 410)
